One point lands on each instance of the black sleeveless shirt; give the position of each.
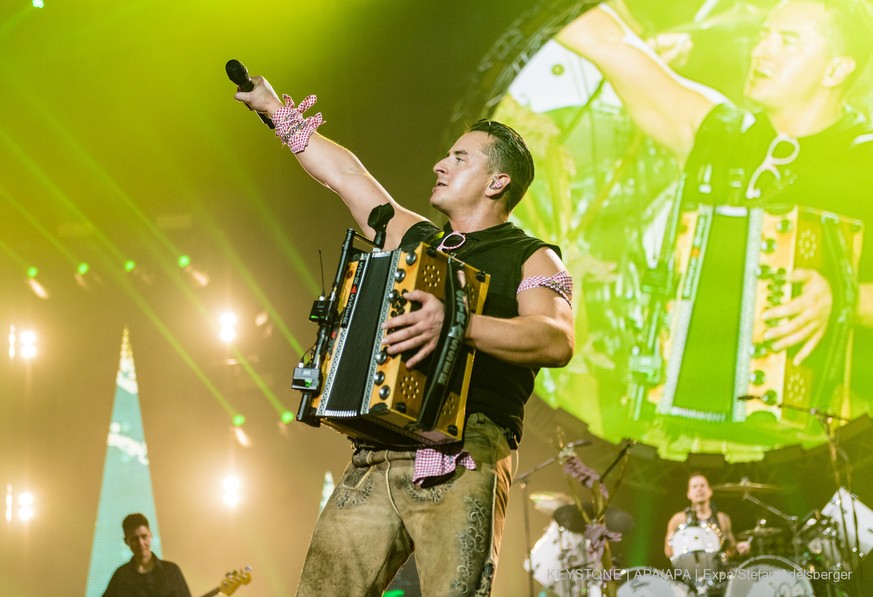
(498, 389)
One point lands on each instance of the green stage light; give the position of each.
(38, 4)
(184, 261)
(287, 416)
(32, 272)
(83, 268)
(239, 420)
(129, 265)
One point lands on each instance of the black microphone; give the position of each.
(769, 398)
(239, 74)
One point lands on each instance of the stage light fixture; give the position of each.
(86, 278)
(24, 501)
(26, 510)
(227, 322)
(239, 420)
(198, 277)
(27, 344)
(241, 437)
(38, 4)
(287, 417)
(22, 344)
(38, 289)
(231, 486)
(129, 265)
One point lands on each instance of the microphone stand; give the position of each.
(522, 479)
(835, 454)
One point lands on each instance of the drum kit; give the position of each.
(561, 559)
(809, 556)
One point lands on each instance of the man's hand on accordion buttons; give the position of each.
(415, 329)
(803, 319)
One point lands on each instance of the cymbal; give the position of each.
(759, 532)
(570, 518)
(549, 501)
(744, 486)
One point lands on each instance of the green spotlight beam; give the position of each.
(12, 23)
(58, 245)
(173, 250)
(18, 259)
(172, 271)
(256, 290)
(128, 288)
(59, 194)
(259, 382)
(122, 281)
(231, 164)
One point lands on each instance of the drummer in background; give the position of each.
(702, 512)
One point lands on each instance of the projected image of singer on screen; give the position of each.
(761, 284)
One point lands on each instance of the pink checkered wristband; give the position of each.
(561, 283)
(291, 127)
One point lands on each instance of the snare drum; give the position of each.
(766, 576)
(648, 582)
(697, 551)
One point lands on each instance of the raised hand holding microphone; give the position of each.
(292, 128)
(239, 75)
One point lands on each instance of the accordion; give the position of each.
(733, 263)
(354, 386)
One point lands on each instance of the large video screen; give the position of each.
(676, 285)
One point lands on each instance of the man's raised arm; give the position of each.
(329, 163)
(665, 106)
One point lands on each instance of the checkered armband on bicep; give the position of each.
(561, 283)
(291, 127)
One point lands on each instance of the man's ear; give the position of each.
(498, 184)
(839, 69)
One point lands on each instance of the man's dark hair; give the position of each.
(509, 154)
(132, 522)
(849, 30)
(697, 474)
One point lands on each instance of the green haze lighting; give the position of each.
(129, 265)
(287, 416)
(83, 268)
(184, 261)
(32, 272)
(38, 3)
(239, 420)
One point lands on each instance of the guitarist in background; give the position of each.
(145, 575)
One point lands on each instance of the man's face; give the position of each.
(463, 175)
(139, 541)
(698, 489)
(791, 57)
